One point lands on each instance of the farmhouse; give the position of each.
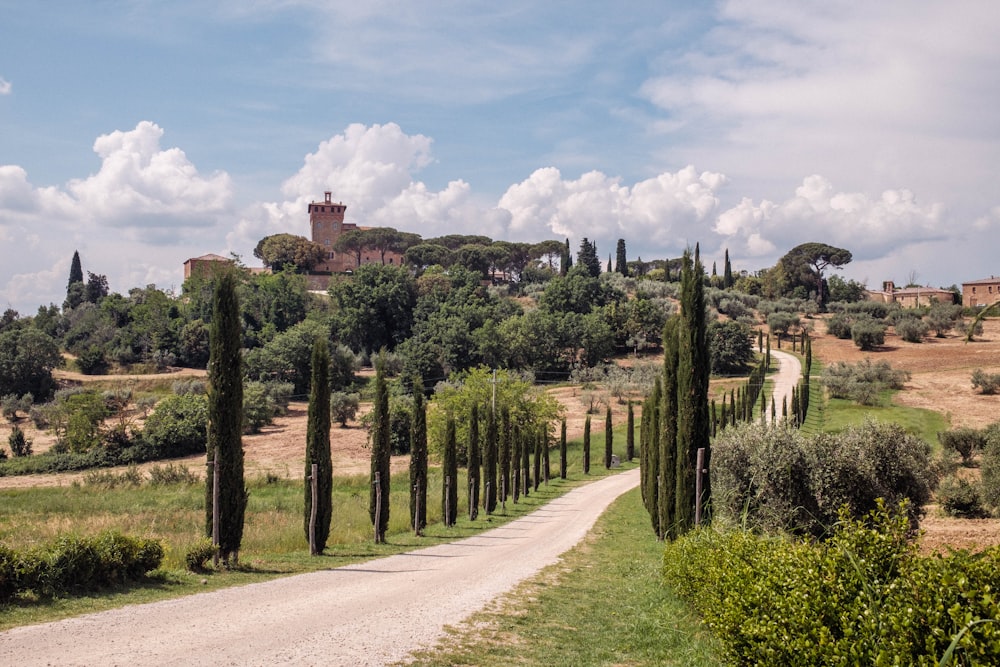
(983, 292)
(911, 297)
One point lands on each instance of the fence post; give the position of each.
(215, 508)
(378, 508)
(447, 500)
(312, 509)
(416, 509)
(698, 484)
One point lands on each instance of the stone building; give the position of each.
(983, 292)
(911, 297)
(326, 224)
(205, 265)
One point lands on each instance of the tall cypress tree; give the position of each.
(225, 418)
(490, 463)
(630, 433)
(473, 461)
(318, 447)
(418, 458)
(546, 467)
(653, 444)
(449, 489)
(608, 439)
(75, 271)
(526, 446)
(378, 498)
(727, 275)
(621, 262)
(505, 452)
(562, 449)
(692, 392)
(515, 463)
(537, 472)
(565, 260)
(586, 446)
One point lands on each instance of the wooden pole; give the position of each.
(378, 508)
(312, 509)
(447, 500)
(416, 510)
(698, 485)
(215, 508)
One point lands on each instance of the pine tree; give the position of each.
(418, 458)
(608, 439)
(621, 261)
(630, 433)
(378, 498)
(586, 446)
(225, 418)
(562, 449)
(449, 490)
(473, 462)
(318, 448)
(490, 464)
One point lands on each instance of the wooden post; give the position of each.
(378, 508)
(416, 510)
(312, 508)
(485, 502)
(698, 485)
(215, 508)
(447, 500)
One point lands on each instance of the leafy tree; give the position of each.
(27, 358)
(286, 358)
(418, 458)
(804, 264)
(281, 251)
(868, 334)
(318, 450)
(456, 241)
(374, 307)
(547, 251)
(343, 406)
(730, 347)
(352, 242)
(378, 501)
(845, 291)
(424, 255)
(475, 258)
(225, 420)
(178, 426)
(384, 240)
(621, 261)
(97, 287)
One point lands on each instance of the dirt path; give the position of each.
(370, 613)
(785, 380)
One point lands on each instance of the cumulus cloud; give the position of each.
(5, 86)
(870, 227)
(664, 213)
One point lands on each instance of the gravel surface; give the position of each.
(788, 376)
(369, 613)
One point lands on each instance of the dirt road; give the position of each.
(370, 613)
(788, 375)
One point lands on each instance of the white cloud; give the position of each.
(5, 86)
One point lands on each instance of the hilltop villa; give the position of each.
(984, 292)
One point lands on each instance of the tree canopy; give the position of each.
(279, 251)
(802, 268)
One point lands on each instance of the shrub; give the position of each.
(343, 407)
(171, 474)
(862, 382)
(868, 334)
(986, 383)
(10, 405)
(967, 442)
(177, 426)
(990, 467)
(19, 444)
(959, 497)
(912, 330)
(92, 361)
(198, 556)
(192, 386)
(259, 408)
(839, 325)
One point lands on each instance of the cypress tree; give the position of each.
(505, 447)
(774, 409)
(609, 262)
(586, 446)
(621, 261)
(669, 454)
(490, 463)
(527, 443)
(449, 489)
(565, 260)
(225, 418)
(644, 458)
(515, 439)
(630, 433)
(75, 271)
(608, 439)
(692, 392)
(784, 408)
(727, 275)
(473, 463)
(546, 468)
(418, 458)
(654, 440)
(318, 447)
(378, 496)
(562, 449)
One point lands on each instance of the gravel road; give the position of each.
(369, 613)
(788, 376)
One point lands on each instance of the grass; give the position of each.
(604, 603)
(274, 542)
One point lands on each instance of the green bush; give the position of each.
(862, 382)
(989, 482)
(967, 442)
(177, 426)
(198, 556)
(839, 326)
(959, 497)
(343, 407)
(986, 383)
(171, 474)
(19, 444)
(911, 329)
(778, 479)
(864, 597)
(868, 334)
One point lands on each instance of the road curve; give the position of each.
(370, 613)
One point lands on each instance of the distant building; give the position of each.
(984, 292)
(205, 265)
(911, 297)
(326, 222)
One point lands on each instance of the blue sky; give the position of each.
(144, 133)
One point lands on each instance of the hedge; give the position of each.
(72, 564)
